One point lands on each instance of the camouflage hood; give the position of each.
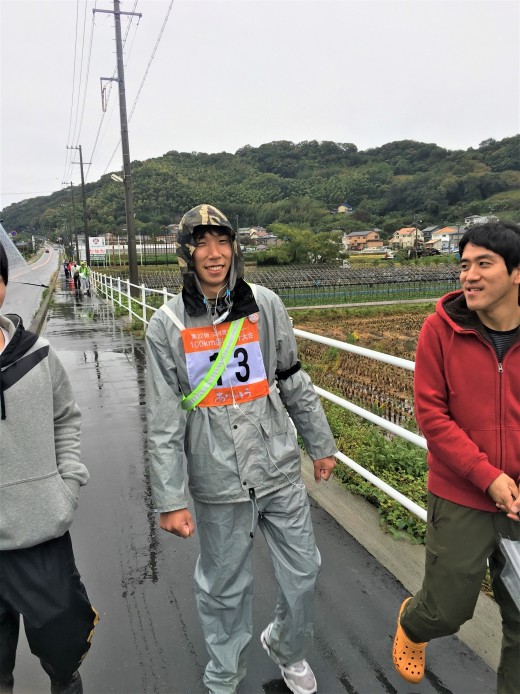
(206, 215)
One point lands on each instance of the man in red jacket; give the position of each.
(467, 404)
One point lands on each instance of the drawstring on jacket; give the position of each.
(2, 399)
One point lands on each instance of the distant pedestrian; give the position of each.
(76, 277)
(84, 277)
(66, 269)
(40, 478)
(227, 408)
(467, 402)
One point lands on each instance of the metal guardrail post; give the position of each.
(143, 302)
(165, 295)
(129, 298)
(361, 351)
(381, 422)
(407, 503)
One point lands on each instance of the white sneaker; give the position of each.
(298, 677)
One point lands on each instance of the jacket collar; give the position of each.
(20, 342)
(244, 303)
(453, 309)
(20, 339)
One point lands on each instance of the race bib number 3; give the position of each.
(244, 376)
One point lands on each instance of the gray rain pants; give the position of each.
(224, 580)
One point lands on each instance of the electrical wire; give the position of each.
(86, 75)
(78, 122)
(143, 80)
(73, 91)
(80, 73)
(84, 80)
(111, 111)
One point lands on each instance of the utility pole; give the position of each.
(416, 243)
(73, 219)
(85, 223)
(127, 171)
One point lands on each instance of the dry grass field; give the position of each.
(381, 388)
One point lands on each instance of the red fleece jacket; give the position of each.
(467, 405)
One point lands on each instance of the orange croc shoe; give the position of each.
(408, 655)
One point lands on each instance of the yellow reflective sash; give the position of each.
(189, 402)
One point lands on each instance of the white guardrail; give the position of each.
(118, 292)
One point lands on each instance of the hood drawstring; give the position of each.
(2, 399)
(212, 309)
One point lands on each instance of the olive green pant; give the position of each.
(460, 542)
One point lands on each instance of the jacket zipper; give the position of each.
(252, 499)
(500, 372)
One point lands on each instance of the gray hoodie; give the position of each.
(40, 469)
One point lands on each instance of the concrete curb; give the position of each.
(483, 633)
(39, 317)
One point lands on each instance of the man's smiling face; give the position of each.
(212, 259)
(484, 279)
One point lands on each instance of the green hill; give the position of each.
(296, 183)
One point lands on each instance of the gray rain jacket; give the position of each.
(230, 450)
(40, 468)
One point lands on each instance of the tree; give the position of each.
(298, 184)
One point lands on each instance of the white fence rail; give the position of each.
(118, 292)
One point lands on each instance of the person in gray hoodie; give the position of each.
(40, 478)
(223, 383)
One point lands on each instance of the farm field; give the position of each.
(382, 388)
(321, 285)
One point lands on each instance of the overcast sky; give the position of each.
(229, 73)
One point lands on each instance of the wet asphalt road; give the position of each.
(26, 285)
(140, 578)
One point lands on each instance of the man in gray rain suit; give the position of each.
(222, 377)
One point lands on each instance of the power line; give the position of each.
(143, 80)
(84, 80)
(86, 76)
(80, 73)
(103, 116)
(73, 87)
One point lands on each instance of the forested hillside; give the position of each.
(297, 184)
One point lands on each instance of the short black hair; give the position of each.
(502, 238)
(201, 230)
(4, 265)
